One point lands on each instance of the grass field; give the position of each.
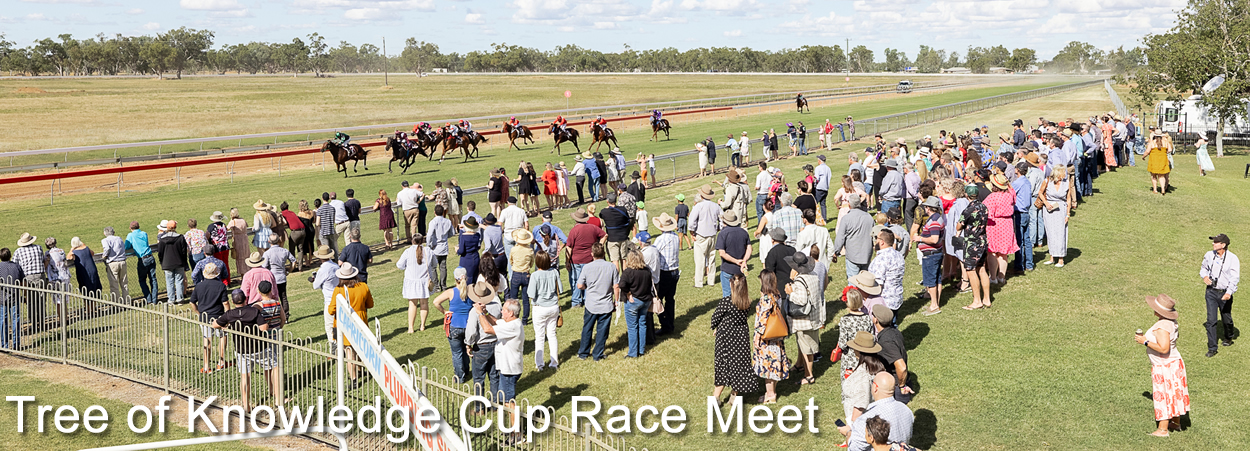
(47, 113)
(1053, 365)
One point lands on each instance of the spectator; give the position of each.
(733, 245)
(357, 254)
(1001, 229)
(85, 272)
(931, 254)
(297, 235)
(592, 175)
(493, 241)
(341, 221)
(893, 189)
(30, 257)
(776, 260)
(136, 245)
(893, 351)
(877, 434)
(1054, 197)
(651, 257)
(824, 176)
(626, 202)
(857, 349)
(544, 291)
(351, 206)
(470, 208)
(510, 334)
(636, 290)
(888, 269)
(325, 222)
(210, 302)
(1221, 276)
(254, 276)
(521, 256)
(813, 235)
(481, 343)
(357, 294)
(854, 235)
(732, 363)
(326, 280)
(764, 229)
(196, 240)
(579, 178)
(763, 181)
(245, 322)
(598, 279)
(705, 222)
(511, 219)
(972, 230)
(276, 258)
(454, 201)
(769, 355)
(408, 204)
(263, 225)
(115, 258)
(1167, 369)
(219, 236)
(668, 246)
(57, 269)
(468, 244)
(787, 218)
(619, 224)
(416, 262)
(171, 248)
(10, 316)
(683, 221)
(884, 407)
(455, 320)
(239, 243)
(440, 229)
(386, 218)
(806, 312)
(637, 187)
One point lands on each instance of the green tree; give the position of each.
(189, 47)
(861, 59)
(158, 54)
(928, 60)
(1077, 56)
(318, 59)
(1021, 59)
(419, 56)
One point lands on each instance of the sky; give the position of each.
(610, 25)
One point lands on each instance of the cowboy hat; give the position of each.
(730, 218)
(25, 240)
(587, 155)
(864, 342)
(490, 217)
(801, 263)
(163, 226)
(733, 177)
(325, 253)
(469, 223)
(1164, 305)
(580, 215)
(347, 271)
(866, 282)
(260, 205)
(482, 292)
(901, 140)
(1033, 159)
(523, 237)
(932, 201)
(999, 180)
(891, 163)
(211, 271)
(706, 192)
(217, 217)
(664, 222)
(255, 260)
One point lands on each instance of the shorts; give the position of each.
(616, 251)
(931, 269)
(507, 385)
(809, 341)
(974, 258)
(681, 226)
(263, 359)
(208, 332)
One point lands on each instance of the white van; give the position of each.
(1189, 116)
(904, 86)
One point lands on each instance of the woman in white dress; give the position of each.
(415, 262)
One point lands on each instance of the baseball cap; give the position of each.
(680, 197)
(547, 214)
(1221, 238)
(643, 237)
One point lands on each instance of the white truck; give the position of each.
(1189, 116)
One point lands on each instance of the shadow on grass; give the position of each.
(560, 397)
(924, 429)
(914, 334)
(416, 356)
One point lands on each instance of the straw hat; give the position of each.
(1033, 159)
(217, 217)
(580, 215)
(1164, 305)
(999, 180)
(211, 271)
(730, 218)
(664, 222)
(347, 271)
(25, 240)
(864, 342)
(325, 253)
(255, 260)
(587, 155)
(733, 176)
(1005, 137)
(523, 237)
(706, 192)
(260, 205)
(866, 282)
(482, 292)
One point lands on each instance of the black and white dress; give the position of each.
(733, 349)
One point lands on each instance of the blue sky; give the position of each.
(609, 25)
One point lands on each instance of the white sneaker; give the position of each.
(1048, 262)
(1059, 265)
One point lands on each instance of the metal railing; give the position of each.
(1115, 99)
(160, 345)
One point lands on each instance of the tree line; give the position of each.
(186, 50)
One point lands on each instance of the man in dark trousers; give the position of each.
(1221, 271)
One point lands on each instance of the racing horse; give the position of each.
(599, 135)
(453, 143)
(561, 138)
(520, 132)
(406, 157)
(341, 157)
(658, 127)
(800, 102)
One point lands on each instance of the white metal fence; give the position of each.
(1115, 99)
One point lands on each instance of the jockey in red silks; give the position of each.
(513, 122)
(561, 124)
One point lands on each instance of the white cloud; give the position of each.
(361, 10)
(134, 11)
(721, 6)
(36, 16)
(567, 13)
(151, 26)
(734, 33)
(210, 5)
(54, 2)
(474, 18)
(605, 25)
(365, 14)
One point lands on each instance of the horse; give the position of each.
(520, 132)
(560, 138)
(452, 143)
(405, 157)
(657, 127)
(431, 143)
(601, 134)
(341, 158)
(801, 102)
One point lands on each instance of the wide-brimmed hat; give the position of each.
(901, 140)
(999, 180)
(932, 201)
(866, 282)
(730, 218)
(523, 237)
(211, 271)
(587, 155)
(1033, 159)
(260, 205)
(580, 215)
(217, 216)
(664, 222)
(801, 263)
(255, 260)
(1005, 137)
(706, 192)
(733, 176)
(891, 163)
(163, 225)
(25, 240)
(325, 252)
(346, 271)
(490, 219)
(1164, 305)
(469, 223)
(864, 342)
(778, 234)
(482, 292)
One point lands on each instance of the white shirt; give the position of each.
(512, 218)
(407, 199)
(579, 169)
(642, 222)
(511, 335)
(340, 211)
(744, 143)
(1224, 271)
(762, 182)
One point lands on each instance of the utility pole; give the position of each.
(386, 63)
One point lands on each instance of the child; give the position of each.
(682, 211)
(641, 224)
(650, 170)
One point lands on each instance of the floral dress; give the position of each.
(1001, 231)
(769, 360)
(847, 327)
(974, 218)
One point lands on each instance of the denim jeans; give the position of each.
(577, 295)
(175, 283)
(508, 244)
(635, 325)
(10, 326)
(594, 327)
(1038, 231)
(459, 359)
(517, 289)
(593, 189)
(725, 278)
(1217, 306)
(886, 205)
(802, 146)
(484, 368)
(147, 278)
(853, 269)
(1024, 256)
(195, 258)
(867, 189)
(821, 196)
(735, 159)
(760, 199)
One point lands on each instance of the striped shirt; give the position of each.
(667, 244)
(932, 227)
(325, 214)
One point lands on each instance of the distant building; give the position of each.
(1000, 70)
(957, 70)
(439, 70)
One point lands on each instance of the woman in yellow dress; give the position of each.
(1157, 151)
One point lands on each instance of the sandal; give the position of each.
(970, 308)
(764, 400)
(932, 312)
(808, 380)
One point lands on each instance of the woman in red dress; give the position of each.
(1001, 230)
(551, 184)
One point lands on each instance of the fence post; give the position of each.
(165, 320)
(62, 312)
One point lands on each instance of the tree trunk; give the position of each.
(1219, 138)
(179, 76)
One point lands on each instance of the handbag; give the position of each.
(775, 326)
(560, 320)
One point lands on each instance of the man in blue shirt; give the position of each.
(137, 245)
(592, 175)
(1021, 218)
(823, 176)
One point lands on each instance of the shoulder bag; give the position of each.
(775, 326)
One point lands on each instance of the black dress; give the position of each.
(532, 179)
(733, 349)
(525, 185)
(496, 190)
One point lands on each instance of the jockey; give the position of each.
(402, 137)
(656, 116)
(799, 96)
(601, 123)
(451, 129)
(562, 124)
(466, 128)
(513, 122)
(342, 139)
